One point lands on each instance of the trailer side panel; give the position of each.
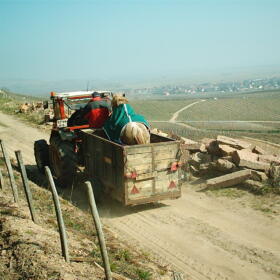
(134, 174)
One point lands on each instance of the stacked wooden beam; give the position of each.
(230, 156)
(238, 159)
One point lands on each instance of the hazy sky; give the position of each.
(106, 39)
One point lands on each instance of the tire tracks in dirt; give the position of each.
(211, 242)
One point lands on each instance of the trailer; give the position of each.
(134, 174)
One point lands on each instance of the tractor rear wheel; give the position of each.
(41, 152)
(63, 161)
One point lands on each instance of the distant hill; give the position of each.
(7, 94)
(43, 88)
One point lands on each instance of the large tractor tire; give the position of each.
(63, 161)
(41, 152)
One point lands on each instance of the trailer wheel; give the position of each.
(41, 153)
(63, 161)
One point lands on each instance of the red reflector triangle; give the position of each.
(172, 185)
(134, 190)
(174, 166)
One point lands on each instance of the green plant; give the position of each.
(123, 255)
(113, 266)
(143, 274)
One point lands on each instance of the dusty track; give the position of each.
(19, 136)
(205, 237)
(176, 114)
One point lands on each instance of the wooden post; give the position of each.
(61, 226)
(25, 183)
(10, 171)
(99, 231)
(1, 181)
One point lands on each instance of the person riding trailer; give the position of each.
(95, 113)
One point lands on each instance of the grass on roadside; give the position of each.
(10, 106)
(263, 198)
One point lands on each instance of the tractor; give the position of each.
(63, 154)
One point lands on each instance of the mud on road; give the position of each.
(205, 237)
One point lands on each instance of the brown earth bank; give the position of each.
(30, 251)
(222, 234)
(33, 251)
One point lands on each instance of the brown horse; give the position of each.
(118, 99)
(133, 132)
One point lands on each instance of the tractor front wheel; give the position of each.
(41, 152)
(63, 161)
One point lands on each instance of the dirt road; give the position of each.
(204, 237)
(175, 115)
(19, 136)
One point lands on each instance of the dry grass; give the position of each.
(11, 106)
(264, 199)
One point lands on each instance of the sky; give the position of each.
(130, 39)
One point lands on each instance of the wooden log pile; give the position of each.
(29, 107)
(235, 159)
(231, 156)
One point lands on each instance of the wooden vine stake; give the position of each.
(25, 183)
(10, 171)
(61, 226)
(99, 231)
(2, 186)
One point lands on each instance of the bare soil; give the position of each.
(30, 251)
(204, 235)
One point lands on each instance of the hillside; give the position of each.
(229, 233)
(32, 251)
(254, 114)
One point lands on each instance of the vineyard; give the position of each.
(255, 115)
(246, 108)
(159, 110)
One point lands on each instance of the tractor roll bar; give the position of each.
(77, 94)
